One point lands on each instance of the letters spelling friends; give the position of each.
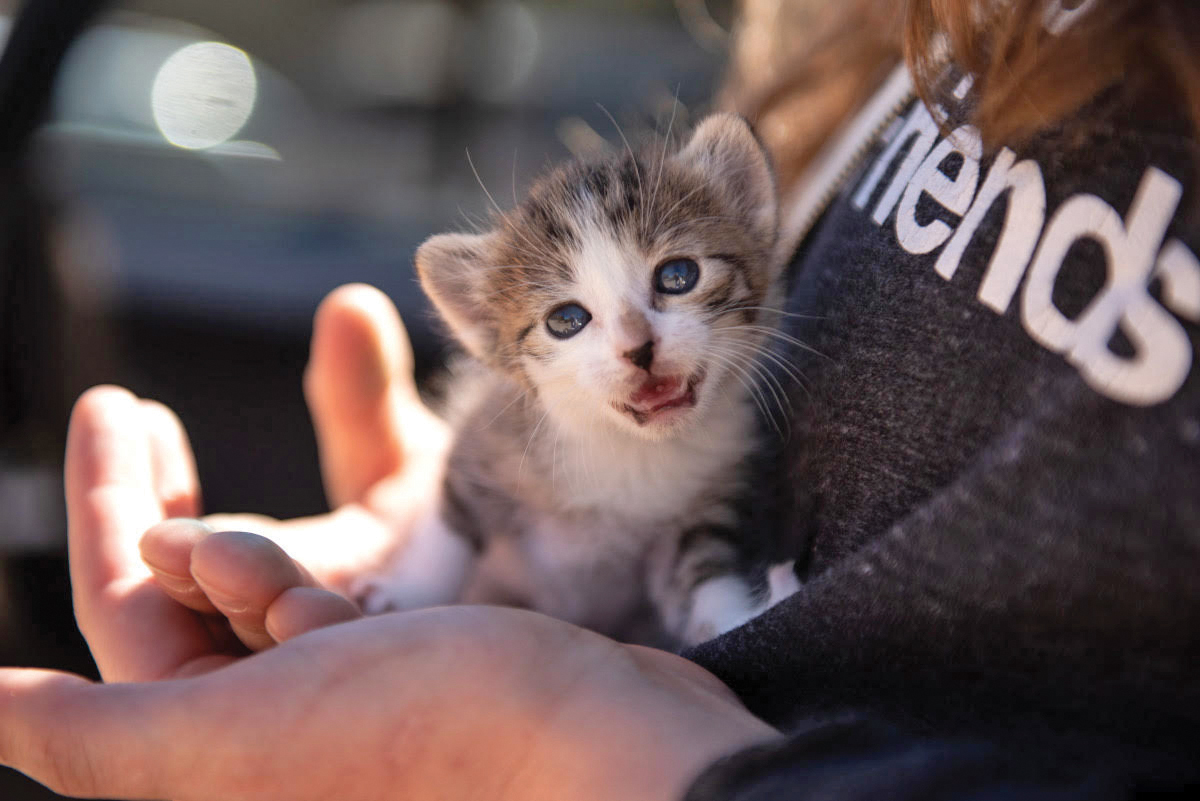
(1033, 245)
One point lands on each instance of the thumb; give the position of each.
(360, 392)
(78, 738)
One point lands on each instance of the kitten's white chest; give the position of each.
(607, 505)
(636, 482)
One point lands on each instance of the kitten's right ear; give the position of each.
(452, 269)
(725, 148)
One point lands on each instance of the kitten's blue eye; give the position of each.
(567, 320)
(676, 276)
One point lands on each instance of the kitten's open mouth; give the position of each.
(658, 396)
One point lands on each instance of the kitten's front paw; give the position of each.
(429, 571)
(698, 631)
(724, 603)
(702, 629)
(781, 582)
(376, 596)
(718, 605)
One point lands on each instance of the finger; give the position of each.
(242, 575)
(360, 390)
(335, 547)
(111, 500)
(359, 363)
(166, 549)
(77, 738)
(302, 609)
(175, 478)
(111, 496)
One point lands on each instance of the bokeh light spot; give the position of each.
(203, 94)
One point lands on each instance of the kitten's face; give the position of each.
(625, 292)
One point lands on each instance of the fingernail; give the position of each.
(172, 583)
(226, 603)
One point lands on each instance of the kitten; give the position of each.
(604, 430)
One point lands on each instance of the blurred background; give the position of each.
(208, 171)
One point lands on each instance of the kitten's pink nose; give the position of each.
(642, 357)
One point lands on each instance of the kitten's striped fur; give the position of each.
(596, 477)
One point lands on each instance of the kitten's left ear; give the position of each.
(725, 148)
(452, 269)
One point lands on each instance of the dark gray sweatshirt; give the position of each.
(992, 484)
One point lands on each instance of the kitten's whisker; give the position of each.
(514, 180)
(764, 350)
(574, 470)
(536, 249)
(743, 377)
(568, 445)
(525, 266)
(633, 159)
(667, 214)
(506, 407)
(508, 223)
(516, 285)
(778, 391)
(525, 453)
(591, 462)
(738, 348)
(473, 222)
(662, 159)
(777, 334)
(790, 368)
(773, 310)
(505, 220)
(739, 371)
(554, 459)
(495, 205)
(511, 285)
(791, 340)
(765, 407)
(765, 377)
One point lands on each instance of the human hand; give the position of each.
(381, 450)
(449, 703)
(452, 702)
(129, 466)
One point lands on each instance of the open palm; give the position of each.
(453, 702)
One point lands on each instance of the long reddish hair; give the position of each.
(801, 67)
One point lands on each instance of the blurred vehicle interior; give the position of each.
(192, 178)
